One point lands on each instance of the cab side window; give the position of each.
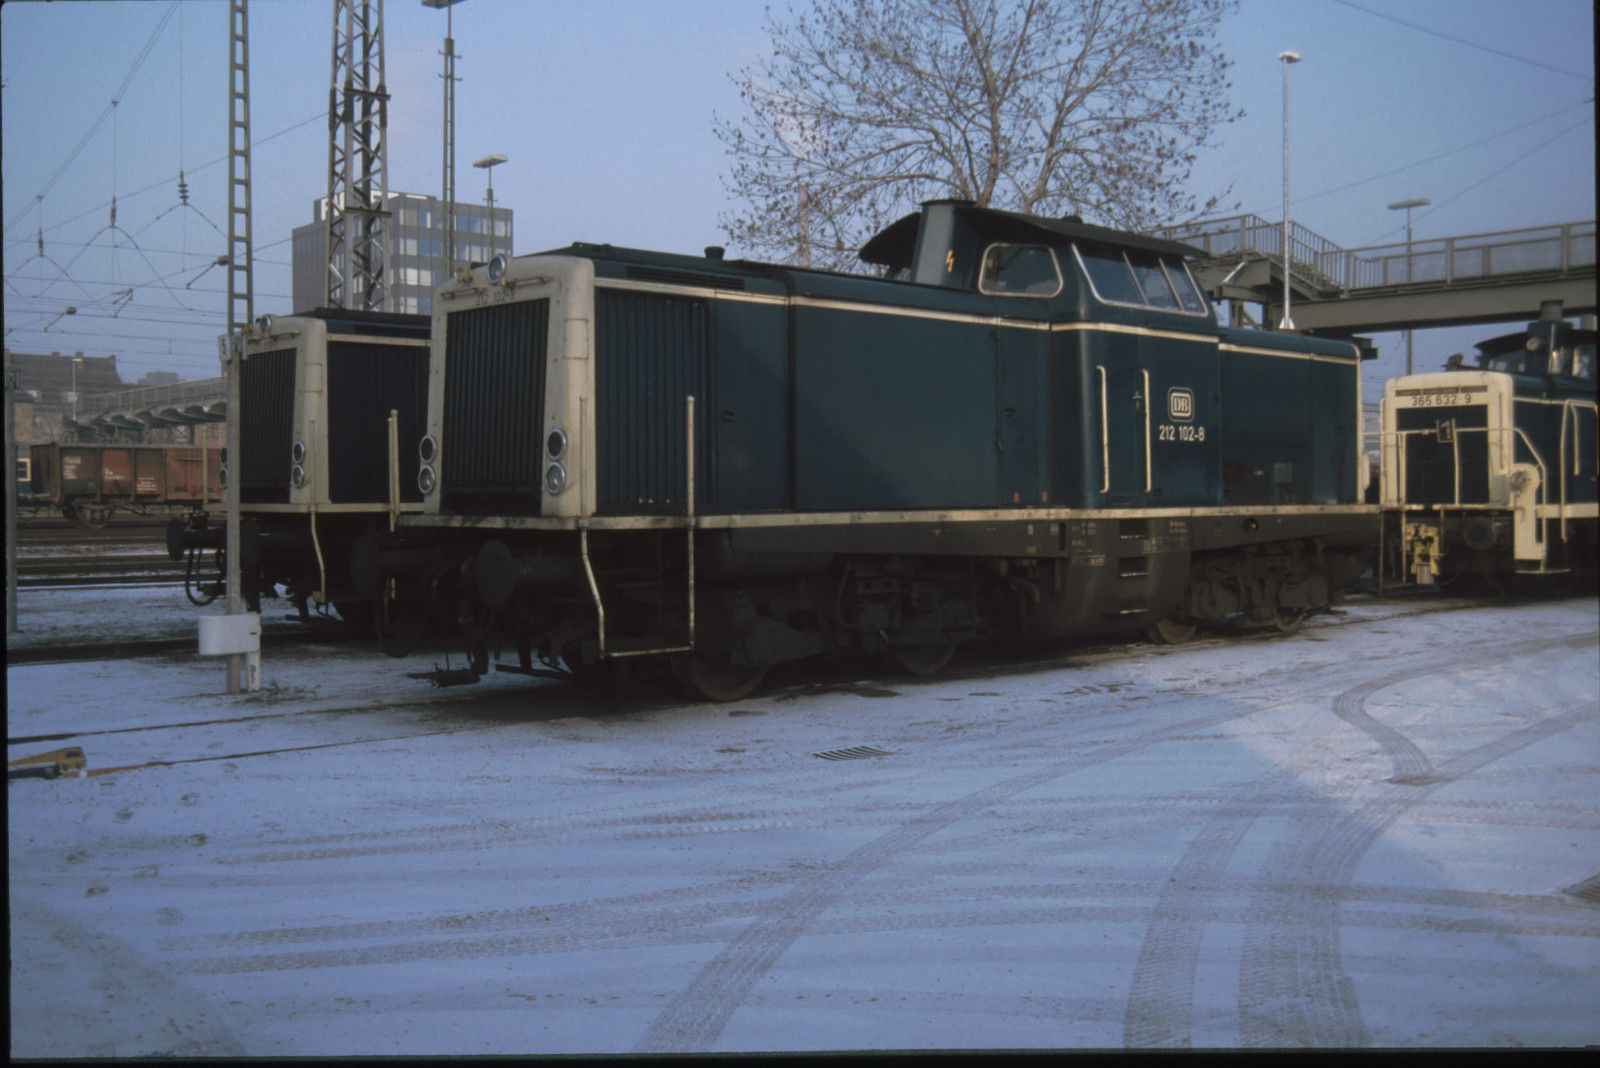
(1111, 277)
(1019, 271)
(1142, 278)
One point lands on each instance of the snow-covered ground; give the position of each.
(1361, 835)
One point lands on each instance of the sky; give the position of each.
(604, 110)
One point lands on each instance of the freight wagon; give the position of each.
(87, 483)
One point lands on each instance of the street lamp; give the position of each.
(77, 361)
(449, 183)
(488, 163)
(1288, 57)
(1406, 206)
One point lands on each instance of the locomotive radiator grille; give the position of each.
(365, 382)
(651, 352)
(493, 433)
(266, 426)
(1436, 439)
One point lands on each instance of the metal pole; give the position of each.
(1287, 323)
(241, 299)
(231, 497)
(11, 496)
(1406, 206)
(449, 182)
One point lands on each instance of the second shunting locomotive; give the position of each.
(1491, 470)
(1026, 427)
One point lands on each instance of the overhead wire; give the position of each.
(1515, 161)
(1540, 64)
(1518, 128)
(105, 114)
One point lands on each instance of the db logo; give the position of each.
(1180, 404)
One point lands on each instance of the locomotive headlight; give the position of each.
(556, 443)
(427, 449)
(555, 479)
(426, 480)
(497, 268)
(298, 452)
(298, 476)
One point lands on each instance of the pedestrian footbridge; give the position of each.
(1452, 281)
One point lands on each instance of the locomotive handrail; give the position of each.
(311, 518)
(1544, 491)
(688, 472)
(1149, 474)
(588, 566)
(1105, 435)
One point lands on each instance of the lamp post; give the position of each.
(1406, 206)
(488, 163)
(449, 183)
(77, 361)
(1287, 322)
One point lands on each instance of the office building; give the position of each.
(413, 246)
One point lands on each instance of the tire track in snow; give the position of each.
(1161, 995)
(1293, 987)
(694, 1019)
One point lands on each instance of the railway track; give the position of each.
(52, 553)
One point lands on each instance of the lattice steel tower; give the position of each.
(358, 110)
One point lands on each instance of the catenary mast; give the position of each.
(358, 106)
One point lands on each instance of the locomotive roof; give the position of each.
(895, 244)
(360, 321)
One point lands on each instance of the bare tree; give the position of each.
(868, 107)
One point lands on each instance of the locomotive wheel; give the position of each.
(357, 615)
(1288, 620)
(716, 682)
(399, 626)
(923, 659)
(1171, 631)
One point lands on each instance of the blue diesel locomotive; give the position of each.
(1491, 470)
(1027, 427)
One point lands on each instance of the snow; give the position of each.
(1359, 835)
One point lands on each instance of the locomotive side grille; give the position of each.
(493, 435)
(266, 426)
(366, 380)
(1431, 455)
(651, 352)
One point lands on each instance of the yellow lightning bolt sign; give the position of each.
(949, 261)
